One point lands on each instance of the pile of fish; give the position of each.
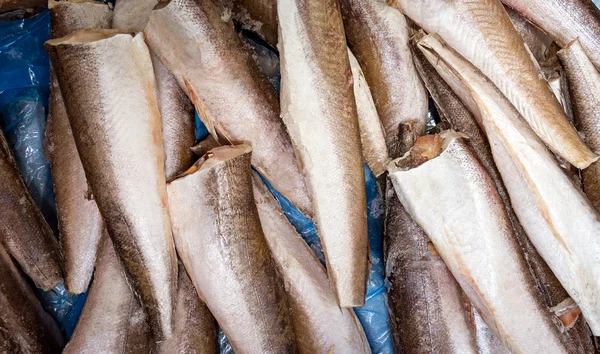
(492, 231)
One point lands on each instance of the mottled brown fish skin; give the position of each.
(233, 97)
(178, 124)
(319, 110)
(79, 221)
(109, 321)
(427, 313)
(219, 239)
(132, 15)
(10, 5)
(584, 91)
(565, 21)
(112, 107)
(378, 36)
(26, 327)
(23, 230)
(205, 146)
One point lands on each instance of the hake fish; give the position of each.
(23, 230)
(79, 221)
(112, 319)
(195, 328)
(319, 110)
(319, 323)
(222, 246)
(378, 35)
(448, 193)
(132, 15)
(584, 92)
(481, 31)
(374, 149)
(112, 107)
(427, 311)
(559, 220)
(26, 327)
(565, 21)
(233, 98)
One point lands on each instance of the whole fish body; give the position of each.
(23, 230)
(565, 21)
(195, 328)
(481, 31)
(112, 107)
(559, 220)
(584, 91)
(79, 221)
(222, 246)
(319, 110)
(110, 320)
(259, 16)
(427, 311)
(372, 139)
(319, 323)
(233, 98)
(26, 327)
(378, 35)
(132, 15)
(454, 200)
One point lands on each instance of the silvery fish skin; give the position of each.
(79, 221)
(178, 124)
(109, 319)
(112, 107)
(372, 139)
(565, 21)
(558, 218)
(319, 323)
(259, 16)
(378, 35)
(537, 41)
(486, 340)
(23, 230)
(232, 96)
(26, 327)
(195, 328)
(222, 246)
(584, 91)
(452, 198)
(319, 110)
(132, 15)
(428, 313)
(481, 31)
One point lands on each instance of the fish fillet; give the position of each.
(79, 221)
(232, 96)
(378, 35)
(132, 15)
(320, 325)
(195, 328)
(112, 107)
(559, 220)
(481, 31)
(26, 327)
(23, 229)
(584, 91)
(105, 325)
(374, 150)
(319, 110)
(453, 199)
(220, 241)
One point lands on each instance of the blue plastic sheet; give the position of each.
(24, 90)
(597, 2)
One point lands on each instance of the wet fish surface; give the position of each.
(26, 327)
(222, 246)
(584, 90)
(112, 107)
(557, 217)
(431, 183)
(23, 229)
(132, 15)
(319, 323)
(79, 221)
(319, 110)
(482, 32)
(378, 36)
(232, 96)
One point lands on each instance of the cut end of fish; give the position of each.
(218, 155)
(205, 146)
(427, 147)
(86, 36)
(567, 312)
